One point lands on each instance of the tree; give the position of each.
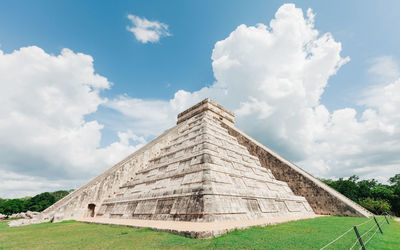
(37, 203)
(383, 192)
(365, 188)
(374, 196)
(395, 180)
(12, 206)
(2, 201)
(41, 201)
(347, 187)
(376, 206)
(58, 195)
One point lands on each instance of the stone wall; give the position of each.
(323, 199)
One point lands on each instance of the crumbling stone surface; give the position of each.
(31, 218)
(22, 215)
(31, 214)
(322, 198)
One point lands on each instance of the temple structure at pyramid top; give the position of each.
(203, 170)
(207, 105)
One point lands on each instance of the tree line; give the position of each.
(372, 195)
(37, 203)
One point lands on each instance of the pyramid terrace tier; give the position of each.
(200, 126)
(192, 163)
(206, 175)
(199, 142)
(202, 154)
(205, 208)
(195, 140)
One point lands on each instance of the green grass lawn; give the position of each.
(305, 234)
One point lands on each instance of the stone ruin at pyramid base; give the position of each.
(201, 178)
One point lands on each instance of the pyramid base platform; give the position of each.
(199, 230)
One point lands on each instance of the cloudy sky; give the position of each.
(85, 83)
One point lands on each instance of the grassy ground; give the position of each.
(305, 234)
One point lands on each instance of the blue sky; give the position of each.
(366, 29)
(154, 72)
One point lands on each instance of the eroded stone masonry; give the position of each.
(203, 170)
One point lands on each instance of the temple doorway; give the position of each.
(91, 208)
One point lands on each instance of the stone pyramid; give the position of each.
(203, 170)
(203, 174)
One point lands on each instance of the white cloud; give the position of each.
(44, 139)
(147, 31)
(273, 78)
(15, 185)
(151, 117)
(384, 69)
(275, 75)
